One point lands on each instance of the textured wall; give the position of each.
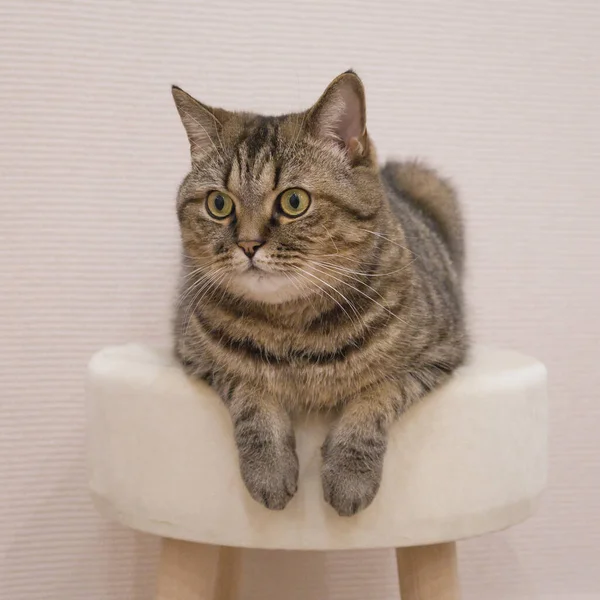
(504, 96)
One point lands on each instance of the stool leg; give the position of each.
(428, 572)
(187, 571)
(229, 573)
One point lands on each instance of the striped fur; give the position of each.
(356, 306)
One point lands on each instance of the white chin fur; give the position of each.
(264, 287)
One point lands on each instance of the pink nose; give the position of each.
(250, 247)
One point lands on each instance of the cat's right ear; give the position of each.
(339, 115)
(203, 124)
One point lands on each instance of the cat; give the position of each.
(313, 279)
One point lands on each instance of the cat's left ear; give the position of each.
(340, 115)
(203, 124)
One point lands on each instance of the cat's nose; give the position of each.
(250, 247)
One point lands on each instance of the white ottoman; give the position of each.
(467, 460)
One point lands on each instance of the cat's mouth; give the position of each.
(257, 270)
(257, 284)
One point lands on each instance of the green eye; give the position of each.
(294, 202)
(219, 205)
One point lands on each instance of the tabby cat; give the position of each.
(314, 279)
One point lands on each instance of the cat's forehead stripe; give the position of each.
(254, 163)
(262, 136)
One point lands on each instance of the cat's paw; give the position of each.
(350, 476)
(271, 477)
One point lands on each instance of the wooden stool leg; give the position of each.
(187, 571)
(229, 573)
(428, 572)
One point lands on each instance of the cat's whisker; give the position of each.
(302, 293)
(196, 290)
(206, 283)
(210, 290)
(387, 239)
(369, 297)
(201, 280)
(350, 259)
(337, 250)
(329, 270)
(225, 281)
(346, 270)
(350, 304)
(293, 281)
(201, 268)
(311, 285)
(192, 288)
(214, 284)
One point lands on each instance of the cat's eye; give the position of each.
(294, 202)
(219, 205)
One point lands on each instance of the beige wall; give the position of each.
(504, 96)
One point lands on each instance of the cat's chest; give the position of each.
(303, 375)
(275, 343)
(306, 386)
(301, 366)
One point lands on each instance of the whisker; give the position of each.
(338, 292)
(346, 270)
(206, 284)
(201, 280)
(190, 289)
(337, 250)
(316, 285)
(200, 268)
(369, 297)
(214, 285)
(209, 292)
(351, 277)
(294, 281)
(362, 262)
(196, 256)
(196, 290)
(225, 280)
(388, 240)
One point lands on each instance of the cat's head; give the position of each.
(275, 208)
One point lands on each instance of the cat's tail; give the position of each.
(435, 196)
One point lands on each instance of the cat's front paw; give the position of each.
(351, 476)
(271, 476)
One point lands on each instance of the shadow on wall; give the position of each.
(356, 575)
(484, 564)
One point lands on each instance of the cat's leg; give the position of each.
(354, 449)
(266, 444)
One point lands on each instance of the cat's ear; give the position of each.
(340, 114)
(203, 124)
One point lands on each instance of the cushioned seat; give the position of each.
(468, 459)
